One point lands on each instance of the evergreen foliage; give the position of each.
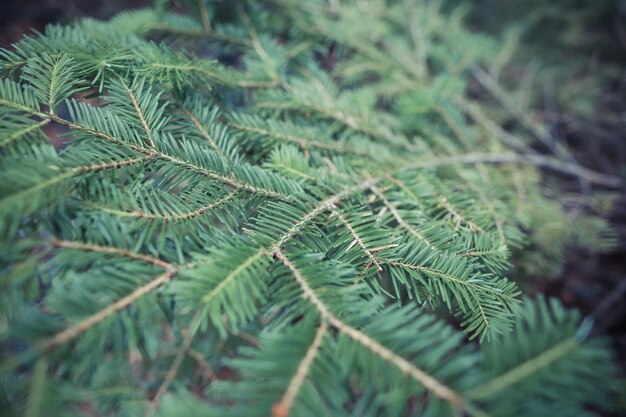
(262, 208)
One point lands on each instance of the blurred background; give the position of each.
(571, 57)
(18, 17)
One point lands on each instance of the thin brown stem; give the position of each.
(139, 111)
(176, 363)
(396, 215)
(357, 239)
(201, 129)
(282, 408)
(138, 214)
(112, 251)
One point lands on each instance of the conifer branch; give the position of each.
(110, 250)
(297, 173)
(232, 275)
(54, 74)
(524, 370)
(481, 252)
(407, 191)
(430, 383)
(461, 136)
(160, 155)
(370, 182)
(81, 327)
(436, 387)
(282, 408)
(176, 363)
(324, 205)
(215, 76)
(256, 44)
(456, 214)
(497, 218)
(139, 111)
(480, 166)
(301, 142)
(22, 194)
(472, 286)
(110, 165)
(535, 128)
(221, 178)
(165, 218)
(417, 36)
(396, 215)
(68, 174)
(37, 386)
(23, 132)
(469, 158)
(26, 109)
(354, 122)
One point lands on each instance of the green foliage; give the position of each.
(263, 208)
